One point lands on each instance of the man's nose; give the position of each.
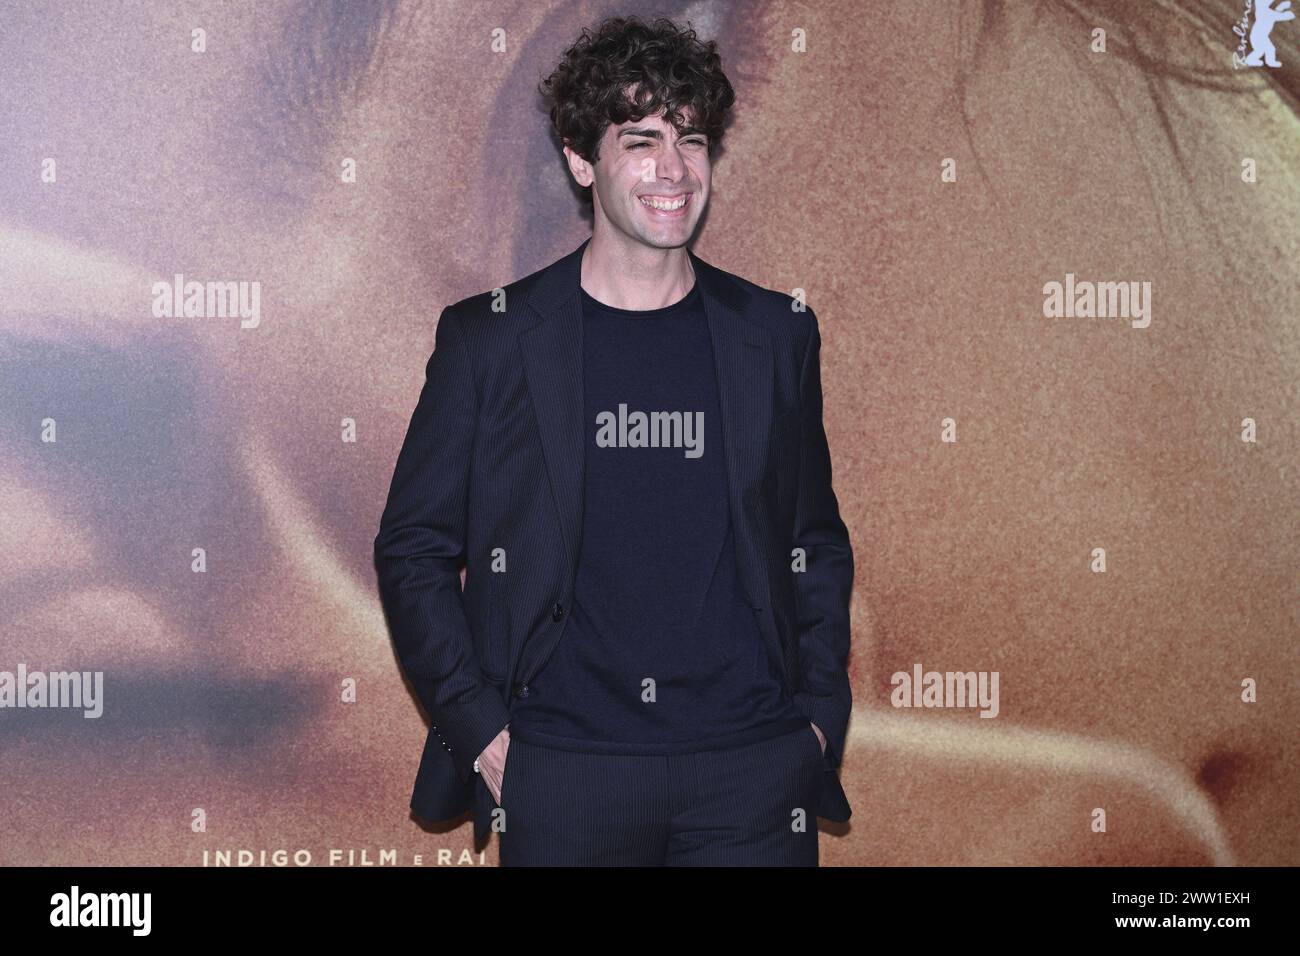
(671, 167)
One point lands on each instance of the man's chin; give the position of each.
(675, 241)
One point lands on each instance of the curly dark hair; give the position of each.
(664, 67)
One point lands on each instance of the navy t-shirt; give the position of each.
(662, 653)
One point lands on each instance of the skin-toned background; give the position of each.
(1119, 691)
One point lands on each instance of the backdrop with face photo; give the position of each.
(1099, 511)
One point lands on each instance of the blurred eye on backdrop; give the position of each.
(306, 73)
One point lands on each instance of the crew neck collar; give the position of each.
(684, 302)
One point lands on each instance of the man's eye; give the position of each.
(638, 145)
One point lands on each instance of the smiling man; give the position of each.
(648, 662)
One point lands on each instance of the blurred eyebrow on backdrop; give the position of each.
(1142, 34)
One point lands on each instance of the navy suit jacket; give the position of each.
(493, 459)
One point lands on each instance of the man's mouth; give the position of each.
(666, 205)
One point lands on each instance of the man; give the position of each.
(648, 661)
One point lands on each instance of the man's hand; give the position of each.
(492, 762)
(820, 736)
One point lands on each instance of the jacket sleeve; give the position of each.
(824, 588)
(419, 549)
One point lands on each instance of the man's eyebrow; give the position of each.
(657, 134)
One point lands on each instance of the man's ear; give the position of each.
(579, 167)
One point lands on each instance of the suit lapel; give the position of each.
(742, 356)
(551, 351)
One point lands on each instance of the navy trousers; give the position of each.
(747, 806)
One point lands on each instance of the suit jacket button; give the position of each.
(557, 612)
(521, 690)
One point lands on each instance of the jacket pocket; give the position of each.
(816, 741)
(505, 774)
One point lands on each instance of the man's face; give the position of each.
(650, 182)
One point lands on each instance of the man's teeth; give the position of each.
(666, 204)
